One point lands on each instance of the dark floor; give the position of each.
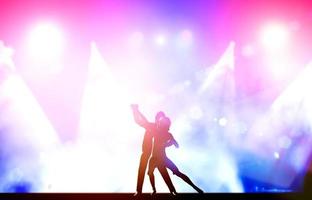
(160, 196)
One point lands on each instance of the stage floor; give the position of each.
(159, 196)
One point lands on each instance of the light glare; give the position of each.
(160, 40)
(46, 43)
(274, 37)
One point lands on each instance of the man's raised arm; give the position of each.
(139, 118)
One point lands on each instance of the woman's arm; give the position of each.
(172, 141)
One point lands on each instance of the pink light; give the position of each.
(136, 39)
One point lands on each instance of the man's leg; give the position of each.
(141, 172)
(176, 171)
(151, 168)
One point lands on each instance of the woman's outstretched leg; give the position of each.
(176, 171)
(188, 180)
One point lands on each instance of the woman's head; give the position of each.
(164, 123)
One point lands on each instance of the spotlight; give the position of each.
(274, 37)
(160, 40)
(276, 155)
(223, 121)
(45, 43)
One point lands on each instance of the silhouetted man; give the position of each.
(159, 159)
(150, 129)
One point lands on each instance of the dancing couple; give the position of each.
(156, 139)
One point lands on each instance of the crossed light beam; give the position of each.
(27, 136)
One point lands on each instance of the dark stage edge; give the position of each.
(125, 196)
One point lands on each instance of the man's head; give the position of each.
(164, 123)
(159, 115)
